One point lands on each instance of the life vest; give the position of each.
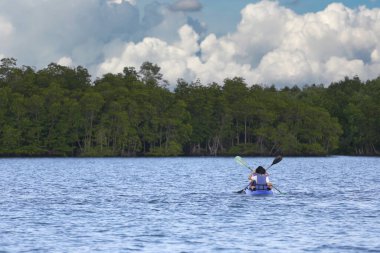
(261, 182)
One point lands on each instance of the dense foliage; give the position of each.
(59, 111)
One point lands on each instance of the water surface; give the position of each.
(188, 205)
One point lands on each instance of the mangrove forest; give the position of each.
(61, 111)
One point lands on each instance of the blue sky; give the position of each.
(222, 16)
(284, 42)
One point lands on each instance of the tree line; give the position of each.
(59, 111)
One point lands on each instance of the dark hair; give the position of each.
(260, 170)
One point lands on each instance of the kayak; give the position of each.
(259, 192)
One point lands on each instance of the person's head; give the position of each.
(260, 170)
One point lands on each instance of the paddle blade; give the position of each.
(241, 191)
(277, 160)
(241, 161)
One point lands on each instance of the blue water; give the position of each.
(188, 205)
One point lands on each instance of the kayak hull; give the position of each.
(259, 192)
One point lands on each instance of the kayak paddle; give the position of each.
(275, 161)
(275, 189)
(242, 162)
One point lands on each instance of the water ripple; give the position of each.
(187, 205)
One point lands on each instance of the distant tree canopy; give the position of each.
(59, 111)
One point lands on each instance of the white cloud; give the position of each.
(280, 64)
(65, 61)
(173, 59)
(85, 30)
(6, 27)
(337, 68)
(77, 29)
(375, 55)
(271, 45)
(6, 30)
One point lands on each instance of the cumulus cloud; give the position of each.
(65, 61)
(186, 5)
(271, 45)
(174, 59)
(85, 31)
(43, 31)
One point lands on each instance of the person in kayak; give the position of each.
(259, 180)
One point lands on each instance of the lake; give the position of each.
(188, 205)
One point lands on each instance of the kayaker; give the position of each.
(259, 180)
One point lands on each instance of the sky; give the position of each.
(281, 43)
